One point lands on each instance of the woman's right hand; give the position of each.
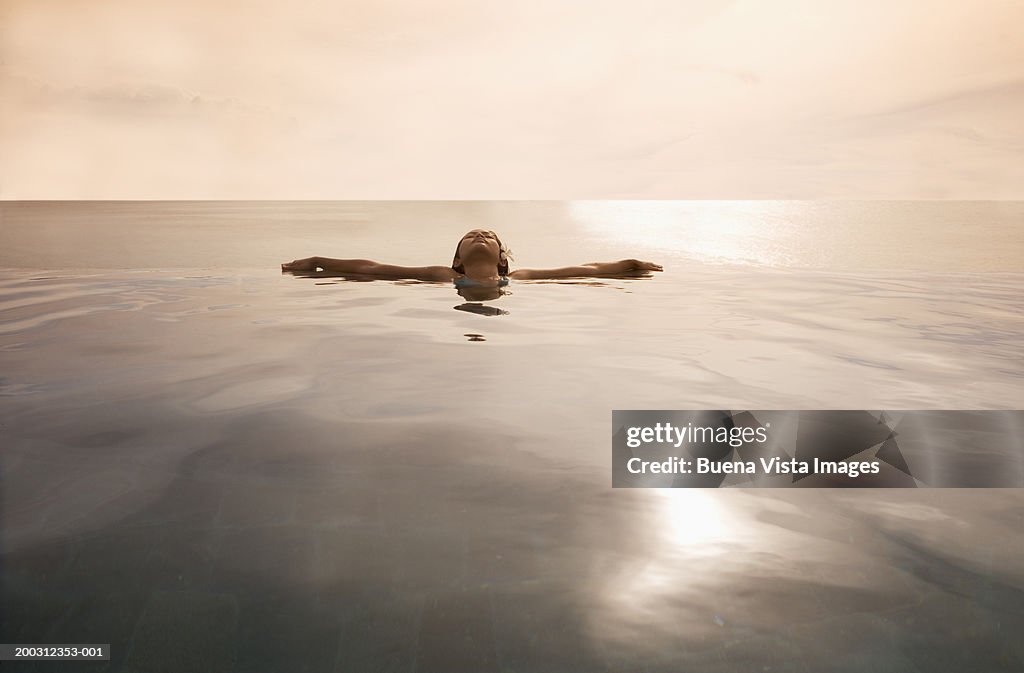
(307, 264)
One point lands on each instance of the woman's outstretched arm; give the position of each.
(368, 267)
(623, 266)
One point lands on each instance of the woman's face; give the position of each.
(479, 242)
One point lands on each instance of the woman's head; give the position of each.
(481, 244)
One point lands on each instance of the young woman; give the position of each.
(480, 259)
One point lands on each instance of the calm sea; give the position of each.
(389, 476)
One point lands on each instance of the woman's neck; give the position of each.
(482, 270)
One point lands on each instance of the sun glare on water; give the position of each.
(694, 519)
(734, 232)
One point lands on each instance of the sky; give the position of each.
(476, 99)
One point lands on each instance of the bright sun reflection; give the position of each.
(695, 519)
(645, 597)
(744, 232)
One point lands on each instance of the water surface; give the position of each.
(200, 449)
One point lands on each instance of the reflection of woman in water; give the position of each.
(480, 260)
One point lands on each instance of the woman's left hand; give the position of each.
(638, 265)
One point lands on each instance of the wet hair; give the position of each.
(504, 254)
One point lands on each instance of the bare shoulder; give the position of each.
(440, 273)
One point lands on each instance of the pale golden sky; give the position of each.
(475, 99)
